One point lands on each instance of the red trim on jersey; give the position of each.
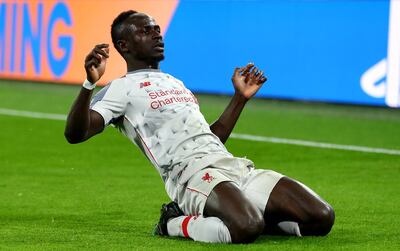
(147, 148)
(185, 223)
(144, 143)
(197, 191)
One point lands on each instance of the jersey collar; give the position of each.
(144, 70)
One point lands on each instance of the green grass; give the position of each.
(105, 195)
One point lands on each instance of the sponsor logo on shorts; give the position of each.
(207, 177)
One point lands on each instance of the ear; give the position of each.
(122, 46)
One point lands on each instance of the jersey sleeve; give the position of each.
(110, 102)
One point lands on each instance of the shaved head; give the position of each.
(118, 27)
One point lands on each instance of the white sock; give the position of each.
(199, 228)
(290, 227)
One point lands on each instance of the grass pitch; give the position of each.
(104, 194)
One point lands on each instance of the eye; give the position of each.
(146, 30)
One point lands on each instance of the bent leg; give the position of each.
(294, 202)
(244, 221)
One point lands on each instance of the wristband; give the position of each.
(88, 85)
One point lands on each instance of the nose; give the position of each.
(157, 35)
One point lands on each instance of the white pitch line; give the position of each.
(53, 116)
(315, 144)
(29, 114)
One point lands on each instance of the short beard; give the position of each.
(153, 60)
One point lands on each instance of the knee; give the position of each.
(325, 218)
(247, 229)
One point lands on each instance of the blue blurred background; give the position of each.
(310, 50)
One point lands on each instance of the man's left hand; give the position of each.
(248, 80)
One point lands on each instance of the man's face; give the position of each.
(143, 37)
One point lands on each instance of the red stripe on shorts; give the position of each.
(194, 190)
(185, 225)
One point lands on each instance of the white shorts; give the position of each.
(256, 184)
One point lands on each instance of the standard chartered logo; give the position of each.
(373, 81)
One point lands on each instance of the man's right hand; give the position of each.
(95, 62)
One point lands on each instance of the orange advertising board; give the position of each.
(48, 40)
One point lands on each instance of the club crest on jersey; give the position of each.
(144, 84)
(207, 177)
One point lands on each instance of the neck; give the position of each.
(134, 65)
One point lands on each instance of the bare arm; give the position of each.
(83, 123)
(247, 81)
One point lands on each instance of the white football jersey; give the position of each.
(157, 113)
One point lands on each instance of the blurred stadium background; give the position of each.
(327, 116)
